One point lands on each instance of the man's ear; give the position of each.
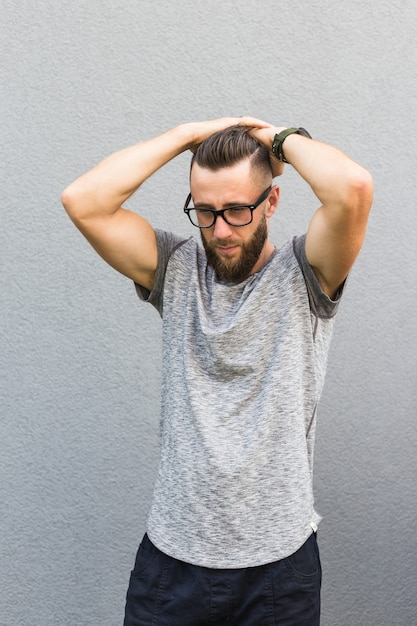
(273, 200)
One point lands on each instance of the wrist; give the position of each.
(184, 135)
(279, 138)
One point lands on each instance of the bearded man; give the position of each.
(231, 532)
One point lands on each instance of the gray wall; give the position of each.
(80, 357)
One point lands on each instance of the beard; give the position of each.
(236, 270)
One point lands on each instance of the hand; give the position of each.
(199, 131)
(266, 137)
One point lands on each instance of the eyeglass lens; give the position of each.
(234, 216)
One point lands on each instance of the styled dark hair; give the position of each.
(230, 146)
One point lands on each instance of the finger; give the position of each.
(264, 135)
(252, 122)
(277, 167)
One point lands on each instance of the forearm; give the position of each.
(105, 188)
(336, 179)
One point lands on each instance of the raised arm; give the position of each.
(94, 201)
(344, 189)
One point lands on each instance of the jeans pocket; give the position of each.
(146, 554)
(147, 584)
(306, 560)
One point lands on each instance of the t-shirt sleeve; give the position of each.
(320, 304)
(167, 243)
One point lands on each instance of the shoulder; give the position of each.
(175, 250)
(168, 242)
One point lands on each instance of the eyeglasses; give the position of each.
(239, 215)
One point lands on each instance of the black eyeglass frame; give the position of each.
(216, 214)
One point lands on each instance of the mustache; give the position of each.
(223, 243)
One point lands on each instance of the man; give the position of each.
(231, 534)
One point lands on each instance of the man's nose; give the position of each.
(222, 229)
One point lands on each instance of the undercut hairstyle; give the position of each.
(230, 146)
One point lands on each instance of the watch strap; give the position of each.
(277, 144)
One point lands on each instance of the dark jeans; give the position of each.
(166, 592)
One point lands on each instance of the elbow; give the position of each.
(364, 183)
(74, 203)
(360, 191)
(69, 201)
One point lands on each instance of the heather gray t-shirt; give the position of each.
(243, 371)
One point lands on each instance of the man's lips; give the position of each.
(226, 249)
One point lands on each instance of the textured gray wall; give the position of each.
(80, 357)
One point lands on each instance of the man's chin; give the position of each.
(229, 257)
(229, 269)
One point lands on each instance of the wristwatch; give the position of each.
(279, 139)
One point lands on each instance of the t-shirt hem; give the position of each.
(260, 558)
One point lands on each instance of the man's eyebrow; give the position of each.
(228, 205)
